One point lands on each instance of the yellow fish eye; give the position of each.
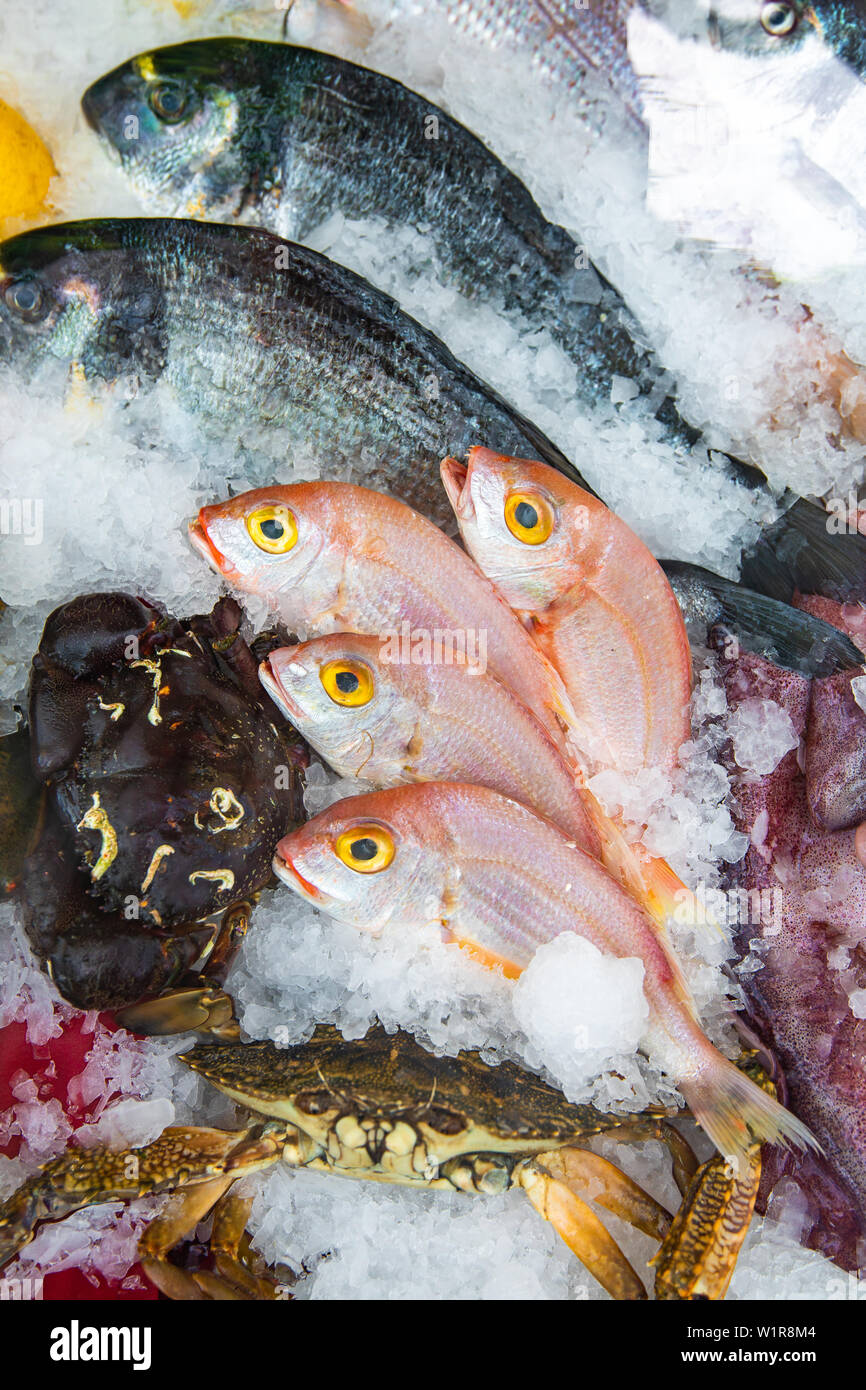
(365, 848)
(529, 517)
(273, 529)
(347, 682)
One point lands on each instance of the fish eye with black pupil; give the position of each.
(348, 683)
(26, 300)
(273, 528)
(168, 101)
(367, 849)
(529, 517)
(778, 18)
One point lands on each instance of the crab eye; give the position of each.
(365, 848)
(273, 529)
(778, 18)
(529, 517)
(168, 101)
(26, 299)
(347, 682)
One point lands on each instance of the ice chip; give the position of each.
(762, 733)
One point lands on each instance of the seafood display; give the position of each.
(186, 124)
(463, 853)
(201, 149)
(480, 848)
(332, 557)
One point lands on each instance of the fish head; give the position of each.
(518, 519)
(770, 28)
(76, 294)
(340, 693)
(266, 541)
(368, 859)
(172, 119)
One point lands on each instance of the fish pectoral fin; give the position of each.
(668, 897)
(489, 959)
(580, 1228)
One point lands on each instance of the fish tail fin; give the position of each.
(809, 549)
(735, 1113)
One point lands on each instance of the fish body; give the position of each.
(286, 137)
(503, 881)
(259, 338)
(344, 558)
(601, 607)
(377, 711)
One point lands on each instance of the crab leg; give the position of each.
(608, 1187)
(699, 1254)
(239, 1273)
(174, 1224)
(683, 1157)
(180, 1157)
(581, 1230)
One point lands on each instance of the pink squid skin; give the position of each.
(798, 1002)
(836, 754)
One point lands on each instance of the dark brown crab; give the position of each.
(168, 777)
(383, 1108)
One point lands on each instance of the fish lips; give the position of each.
(455, 480)
(201, 542)
(277, 692)
(288, 874)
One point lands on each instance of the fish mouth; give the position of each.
(286, 871)
(204, 546)
(455, 480)
(91, 109)
(277, 693)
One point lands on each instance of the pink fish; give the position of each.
(390, 722)
(599, 604)
(502, 881)
(332, 557)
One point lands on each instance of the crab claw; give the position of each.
(698, 1257)
(581, 1230)
(179, 1158)
(207, 1009)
